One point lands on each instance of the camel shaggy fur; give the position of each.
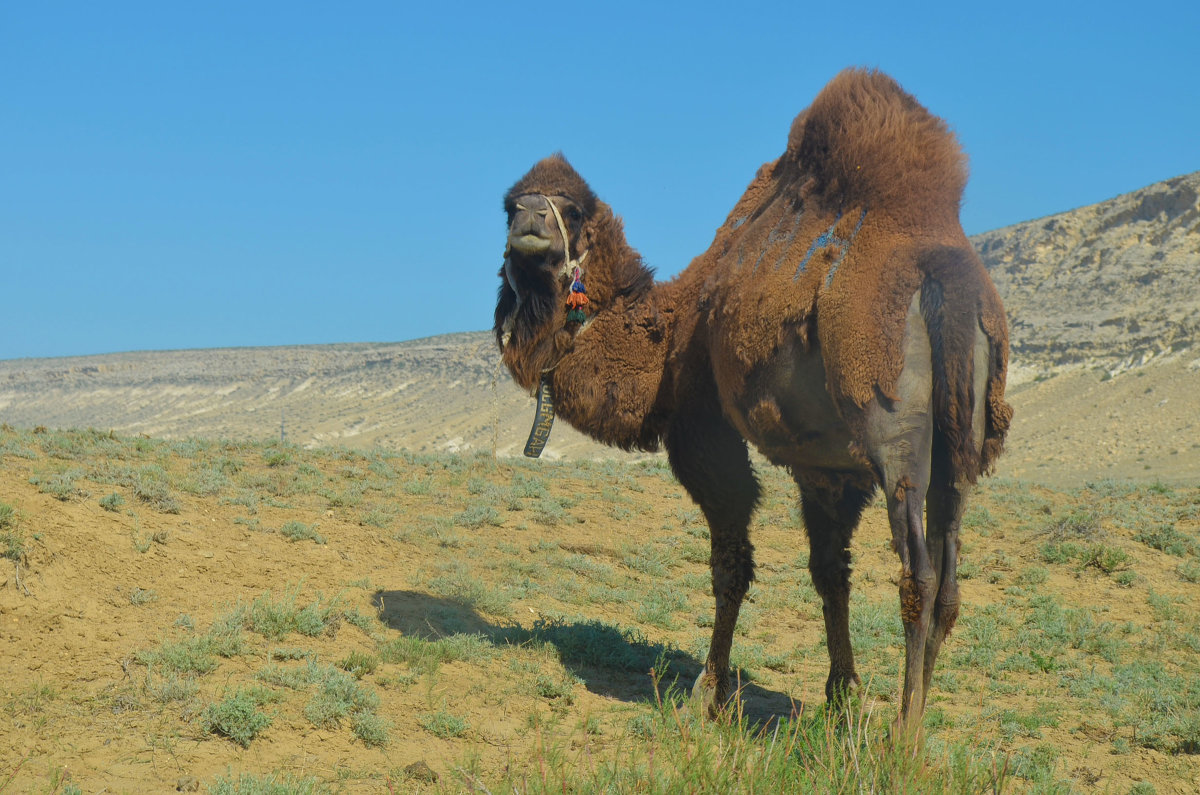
(840, 322)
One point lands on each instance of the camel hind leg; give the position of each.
(947, 501)
(710, 459)
(898, 439)
(944, 507)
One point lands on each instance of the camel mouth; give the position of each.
(531, 244)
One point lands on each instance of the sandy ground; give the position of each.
(98, 589)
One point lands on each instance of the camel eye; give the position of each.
(574, 214)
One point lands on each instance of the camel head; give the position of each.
(557, 230)
(537, 252)
(551, 217)
(551, 225)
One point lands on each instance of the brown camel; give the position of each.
(840, 321)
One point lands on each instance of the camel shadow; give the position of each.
(610, 661)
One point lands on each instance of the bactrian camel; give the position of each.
(840, 321)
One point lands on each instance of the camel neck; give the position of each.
(614, 383)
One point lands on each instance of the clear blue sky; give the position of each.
(194, 175)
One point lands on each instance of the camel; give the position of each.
(840, 322)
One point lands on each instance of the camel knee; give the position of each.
(729, 586)
(917, 594)
(732, 570)
(830, 577)
(946, 609)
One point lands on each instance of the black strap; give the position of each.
(543, 421)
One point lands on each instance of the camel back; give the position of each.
(835, 237)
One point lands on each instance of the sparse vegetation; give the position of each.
(12, 542)
(271, 784)
(443, 724)
(112, 502)
(142, 597)
(339, 696)
(563, 620)
(299, 531)
(61, 484)
(237, 717)
(150, 486)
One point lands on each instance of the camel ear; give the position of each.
(591, 229)
(587, 236)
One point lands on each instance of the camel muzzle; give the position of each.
(530, 244)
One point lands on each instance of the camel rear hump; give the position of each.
(868, 143)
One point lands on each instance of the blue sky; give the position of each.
(194, 175)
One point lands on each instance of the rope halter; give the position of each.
(571, 264)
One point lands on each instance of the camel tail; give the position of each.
(969, 345)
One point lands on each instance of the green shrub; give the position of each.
(272, 784)
(358, 664)
(369, 727)
(298, 531)
(60, 485)
(150, 486)
(112, 502)
(237, 717)
(478, 515)
(442, 724)
(1166, 538)
(339, 696)
(12, 541)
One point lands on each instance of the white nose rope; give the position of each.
(571, 264)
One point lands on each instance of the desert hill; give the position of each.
(1111, 285)
(443, 393)
(1103, 303)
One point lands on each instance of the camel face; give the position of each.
(536, 248)
(533, 230)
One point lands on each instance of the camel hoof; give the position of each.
(906, 730)
(706, 695)
(838, 689)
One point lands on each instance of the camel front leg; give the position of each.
(709, 458)
(732, 570)
(831, 504)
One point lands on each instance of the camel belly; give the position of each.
(788, 415)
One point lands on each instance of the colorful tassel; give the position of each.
(576, 299)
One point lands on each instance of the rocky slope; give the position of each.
(1103, 303)
(1113, 284)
